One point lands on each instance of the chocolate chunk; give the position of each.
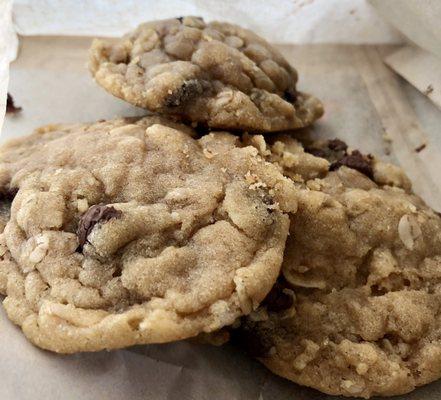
(337, 145)
(276, 300)
(95, 214)
(357, 161)
(334, 150)
(290, 95)
(10, 105)
(187, 91)
(251, 342)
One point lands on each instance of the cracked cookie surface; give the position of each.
(356, 311)
(216, 74)
(131, 231)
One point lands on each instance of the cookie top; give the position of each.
(131, 231)
(216, 74)
(356, 309)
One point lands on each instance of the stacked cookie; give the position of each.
(150, 230)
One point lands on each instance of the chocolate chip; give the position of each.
(251, 342)
(316, 152)
(337, 145)
(95, 214)
(187, 91)
(276, 300)
(357, 161)
(333, 150)
(290, 95)
(10, 105)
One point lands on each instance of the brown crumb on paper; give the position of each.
(10, 106)
(387, 141)
(421, 147)
(429, 89)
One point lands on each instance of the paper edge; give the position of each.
(409, 58)
(8, 52)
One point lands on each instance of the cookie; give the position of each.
(356, 310)
(132, 231)
(215, 74)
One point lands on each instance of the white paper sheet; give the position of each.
(282, 21)
(420, 68)
(8, 49)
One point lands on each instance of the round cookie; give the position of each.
(216, 74)
(126, 232)
(6, 263)
(356, 310)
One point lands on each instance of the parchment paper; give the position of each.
(282, 21)
(420, 68)
(50, 81)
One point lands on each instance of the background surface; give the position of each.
(282, 21)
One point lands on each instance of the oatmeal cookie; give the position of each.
(356, 310)
(216, 74)
(131, 231)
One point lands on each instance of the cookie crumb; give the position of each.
(429, 89)
(421, 147)
(11, 108)
(387, 141)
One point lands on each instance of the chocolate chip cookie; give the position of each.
(216, 74)
(132, 231)
(356, 310)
